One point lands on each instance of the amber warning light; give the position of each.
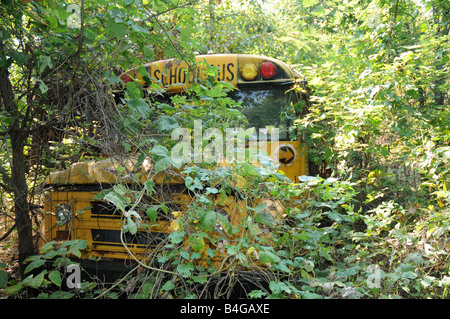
(249, 71)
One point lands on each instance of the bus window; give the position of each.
(263, 106)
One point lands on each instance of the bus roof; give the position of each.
(236, 69)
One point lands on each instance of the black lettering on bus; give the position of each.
(173, 75)
(182, 76)
(229, 66)
(156, 74)
(191, 77)
(223, 72)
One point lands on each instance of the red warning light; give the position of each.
(126, 78)
(268, 70)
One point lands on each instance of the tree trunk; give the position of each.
(21, 205)
(17, 135)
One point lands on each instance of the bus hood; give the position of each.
(109, 171)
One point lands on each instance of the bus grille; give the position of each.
(142, 239)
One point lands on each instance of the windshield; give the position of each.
(263, 107)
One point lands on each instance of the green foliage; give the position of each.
(3, 276)
(44, 273)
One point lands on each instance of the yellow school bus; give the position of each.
(264, 86)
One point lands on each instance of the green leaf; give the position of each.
(225, 222)
(209, 219)
(325, 254)
(162, 164)
(308, 265)
(80, 244)
(145, 75)
(147, 286)
(148, 52)
(177, 237)
(196, 241)
(19, 57)
(74, 247)
(118, 30)
(169, 285)
(112, 78)
(48, 247)
(11, 290)
(61, 295)
(117, 200)
(137, 27)
(200, 279)
(150, 186)
(131, 226)
(35, 264)
(160, 150)
(75, 251)
(258, 208)
(250, 169)
(43, 87)
(37, 281)
(254, 229)
(185, 254)
(53, 22)
(279, 287)
(45, 61)
(140, 106)
(185, 270)
(55, 277)
(265, 218)
(257, 294)
(152, 213)
(309, 3)
(4, 35)
(233, 249)
(283, 267)
(167, 123)
(3, 278)
(193, 183)
(268, 257)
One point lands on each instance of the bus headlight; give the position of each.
(62, 214)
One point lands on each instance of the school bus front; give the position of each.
(265, 88)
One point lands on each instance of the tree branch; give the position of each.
(81, 38)
(10, 230)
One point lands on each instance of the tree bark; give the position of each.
(18, 183)
(21, 205)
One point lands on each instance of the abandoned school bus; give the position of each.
(78, 209)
